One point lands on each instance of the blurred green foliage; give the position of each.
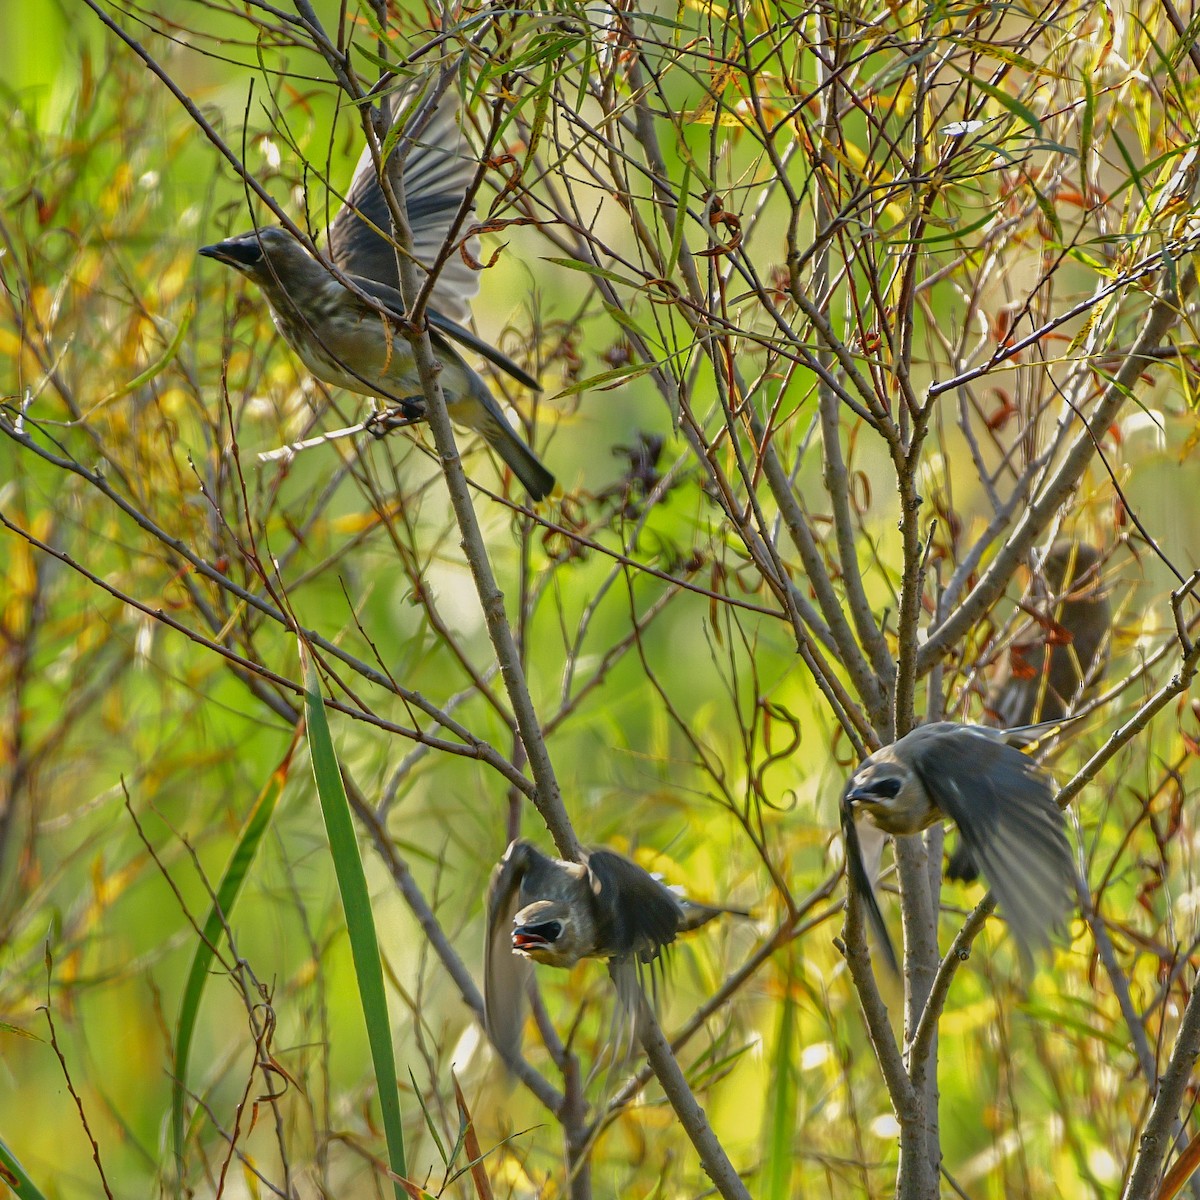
(133, 751)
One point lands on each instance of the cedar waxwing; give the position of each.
(551, 911)
(1070, 651)
(1049, 674)
(1002, 803)
(345, 341)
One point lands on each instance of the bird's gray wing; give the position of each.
(1016, 699)
(635, 914)
(443, 327)
(506, 976)
(436, 166)
(1003, 805)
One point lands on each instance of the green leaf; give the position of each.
(1022, 112)
(606, 379)
(256, 824)
(574, 264)
(781, 1106)
(360, 921)
(430, 1123)
(1136, 174)
(680, 217)
(540, 108)
(159, 365)
(994, 49)
(1047, 209)
(12, 1174)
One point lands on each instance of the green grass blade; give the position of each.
(12, 1174)
(360, 921)
(781, 1105)
(255, 826)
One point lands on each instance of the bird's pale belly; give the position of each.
(904, 822)
(383, 367)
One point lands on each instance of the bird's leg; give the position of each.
(408, 411)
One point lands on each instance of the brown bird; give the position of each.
(358, 344)
(1069, 651)
(1002, 803)
(551, 911)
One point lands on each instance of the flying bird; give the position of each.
(356, 341)
(547, 910)
(1002, 803)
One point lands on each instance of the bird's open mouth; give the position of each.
(536, 937)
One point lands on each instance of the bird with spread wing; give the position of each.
(353, 336)
(548, 910)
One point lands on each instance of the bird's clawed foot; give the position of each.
(407, 412)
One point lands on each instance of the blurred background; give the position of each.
(146, 703)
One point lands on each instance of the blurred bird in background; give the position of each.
(1002, 803)
(551, 911)
(348, 341)
(1067, 654)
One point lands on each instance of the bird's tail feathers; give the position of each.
(481, 413)
(522, 461)
(861, 885)
(626, 1028)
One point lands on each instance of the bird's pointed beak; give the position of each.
(856, 795)
(235, 253)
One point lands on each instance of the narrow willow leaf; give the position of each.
(573, 264)
(159, 365)
(1096, 312)
(1047, 209)
(1087, 126)
(680, 217)
(13, 1176)
(1022, 112)
(360, 921)
(257, 823)
(781, 1106)
(606, 379)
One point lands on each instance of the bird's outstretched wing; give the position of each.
(433, 161)
(506, 976)
(635, 914)
(1003, 805)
